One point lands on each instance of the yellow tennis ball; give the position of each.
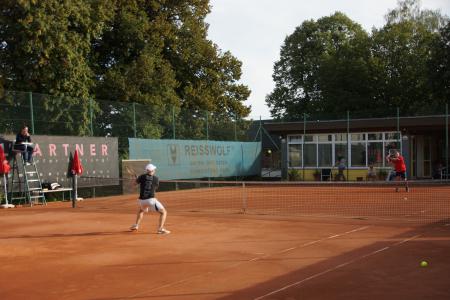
(424, 264)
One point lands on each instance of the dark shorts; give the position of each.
(402, 175)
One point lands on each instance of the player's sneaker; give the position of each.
(163, 231)
(134, 227)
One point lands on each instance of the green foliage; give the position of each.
(153, 53)
(331, 66)
(401, 54)
(294, 175)
(439, 65)
(45, 49)
(317, 68)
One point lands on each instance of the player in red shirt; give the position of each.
(400, 168)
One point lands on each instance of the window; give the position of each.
(325, 152)
(375, 155)
(391, 136)
(358, 136)
(340, 137)
(358, 152)
(295, 155)
(375, 136)
(295, 139)
(309, 138)
(325, 138)
(340, 152)
(310, 155)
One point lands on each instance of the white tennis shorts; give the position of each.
(151, 204)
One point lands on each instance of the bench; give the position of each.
(62, 190)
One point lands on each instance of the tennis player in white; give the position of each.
(148, 184)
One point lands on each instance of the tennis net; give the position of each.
(426, 201)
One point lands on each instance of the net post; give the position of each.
(134, 120)
(30, 97)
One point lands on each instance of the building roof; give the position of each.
(411, 125)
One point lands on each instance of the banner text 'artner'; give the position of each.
(98, 155)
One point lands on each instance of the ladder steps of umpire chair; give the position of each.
(27, 192)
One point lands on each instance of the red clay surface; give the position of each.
(56, 252)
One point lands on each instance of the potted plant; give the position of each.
(294, 175)
(382, 174)
(317, 175)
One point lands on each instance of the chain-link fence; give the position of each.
(64, 115)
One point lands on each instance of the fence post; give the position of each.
(398, 130)
(30, 97)
(446, 141)
(303, 146)
(348, 143)
(173, 122)
(207, 126)
(260, 130)
(134, 120)
(235, 127)
(91, 116)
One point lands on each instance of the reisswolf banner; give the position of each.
(188, 159)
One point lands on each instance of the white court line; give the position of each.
(243, 262)
(337, 267)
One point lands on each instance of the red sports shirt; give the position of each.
(399, 164)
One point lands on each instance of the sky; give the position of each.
(254, 31)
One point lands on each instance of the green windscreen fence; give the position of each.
(189, 159)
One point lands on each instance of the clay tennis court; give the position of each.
(257, 242)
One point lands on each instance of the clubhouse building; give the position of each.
(316, 148)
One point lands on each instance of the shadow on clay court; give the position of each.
(56, 235)
(388, 269)
(385, 269)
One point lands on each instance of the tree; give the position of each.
(322, 68)
(44, 49)
(401, 54)
(153, 53)
(331, 65)
(157, 54)
(439, 67)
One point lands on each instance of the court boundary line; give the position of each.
(247, 261)
(300, 282)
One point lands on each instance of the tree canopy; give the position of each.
(330, 66)
(154, 53)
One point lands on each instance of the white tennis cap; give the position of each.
(150, 167)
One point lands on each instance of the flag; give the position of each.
(4, 165)
(76, 168)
